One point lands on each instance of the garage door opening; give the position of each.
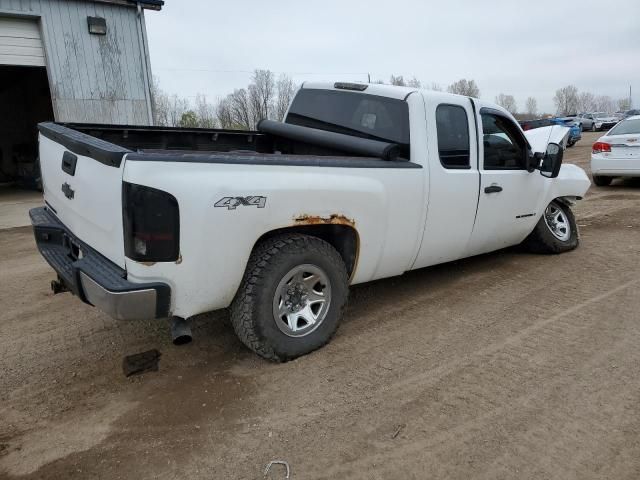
(25, 100)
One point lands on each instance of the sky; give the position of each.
(521, 48)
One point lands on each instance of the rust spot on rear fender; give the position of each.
(333, 219)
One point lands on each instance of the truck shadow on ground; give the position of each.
(215, 338)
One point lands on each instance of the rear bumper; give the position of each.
(615, 167)
(93, 278)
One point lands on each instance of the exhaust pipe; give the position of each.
(180, 331)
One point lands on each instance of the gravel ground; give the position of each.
(507, 365)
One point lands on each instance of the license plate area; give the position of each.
(626, 151)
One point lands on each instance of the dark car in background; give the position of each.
(531, 124)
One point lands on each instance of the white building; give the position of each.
(70, 61)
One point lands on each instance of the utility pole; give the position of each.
(630, 106)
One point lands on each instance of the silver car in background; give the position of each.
(617, 153)
(596, 121)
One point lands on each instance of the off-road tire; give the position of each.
(251, 310)
(601, 181)
(541, 240)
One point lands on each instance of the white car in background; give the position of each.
(617, 154)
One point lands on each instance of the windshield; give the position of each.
(358, 114)
(627, 127)
(600, 114)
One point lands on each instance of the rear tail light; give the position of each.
(151, 224)
(600, 147)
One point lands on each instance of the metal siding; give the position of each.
(93, 78)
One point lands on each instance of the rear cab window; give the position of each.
(452, 126)
(353, 113)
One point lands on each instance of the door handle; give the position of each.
(69, 161)
(493, 189)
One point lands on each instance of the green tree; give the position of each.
(189, 119)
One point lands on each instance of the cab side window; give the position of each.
(452, 126)
(504, 146)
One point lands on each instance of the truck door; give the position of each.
(509, 194)
(452, 176)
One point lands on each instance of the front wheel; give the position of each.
(292, 297)
(593, 127)
(556, 231)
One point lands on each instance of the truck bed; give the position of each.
(109, 143)
(144, 138)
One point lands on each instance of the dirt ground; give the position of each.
(507, 365)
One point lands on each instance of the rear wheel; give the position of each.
(556, 231)
(601, 181)
(292, 297)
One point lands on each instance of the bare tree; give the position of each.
(436, 87)
(397, 80)
(262, 91)
(205, 112)
(532, 106)
(240, 109)
(566, 100)
(604, 103)
(623, 104)
(223, 114)
(586, 102)
(507, 102)
(414, 83)
(464, 87)
(264, 97)
(285, 90)
(159, 104)
(176, 107)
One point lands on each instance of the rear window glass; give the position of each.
(358, 114)
(626, 127)
(453, 136)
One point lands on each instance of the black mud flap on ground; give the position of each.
(141, 362)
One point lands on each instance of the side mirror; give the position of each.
(552, 161)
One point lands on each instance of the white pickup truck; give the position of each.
(360, 182)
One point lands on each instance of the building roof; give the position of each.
(149, 4)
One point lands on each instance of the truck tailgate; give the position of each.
(82, 182)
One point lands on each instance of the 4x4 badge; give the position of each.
(232, 202)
